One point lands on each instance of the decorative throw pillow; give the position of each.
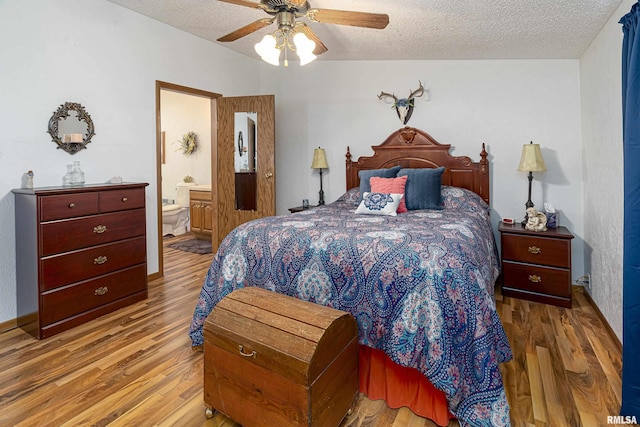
(352, 196)
(379, 204)
(423, 188)
(391, 186)
(365, 175)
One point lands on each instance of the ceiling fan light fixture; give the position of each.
(284, 13)
(304, 48)
(268, 51)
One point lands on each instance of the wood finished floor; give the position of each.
(135, 367)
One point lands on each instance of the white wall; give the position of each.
(108, 59)
(504, 104)
(601, 88)
(181, 113)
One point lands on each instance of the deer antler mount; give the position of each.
(403, 106)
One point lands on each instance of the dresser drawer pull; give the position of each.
(99, 229)
(124, 199)
(100, 260)
(242, 353)
(534, 250)
(535, 278)
(72, 205)
(101, 290)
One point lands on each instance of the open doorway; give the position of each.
(179, 111)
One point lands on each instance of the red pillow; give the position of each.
(392, 186)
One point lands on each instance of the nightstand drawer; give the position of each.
(537, 250)
(545, 280)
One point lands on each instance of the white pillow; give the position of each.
(379, 204)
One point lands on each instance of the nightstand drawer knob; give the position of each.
(535, 278)
(100, 260)
(534, 250)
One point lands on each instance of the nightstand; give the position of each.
(300, 208)
(536, 265)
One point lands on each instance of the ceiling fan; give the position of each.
(285, 13)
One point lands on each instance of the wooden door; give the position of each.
(262, 160)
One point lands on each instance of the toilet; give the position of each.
(175, 217)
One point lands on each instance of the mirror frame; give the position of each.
(63, 113)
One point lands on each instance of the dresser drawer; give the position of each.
(70, 300)
(118, 200)
(68, 235)
(83, 264)
(537, 250)
(68, 206)
(545, 280)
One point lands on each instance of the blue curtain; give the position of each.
(631, 261)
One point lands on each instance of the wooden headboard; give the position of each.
(412, 148)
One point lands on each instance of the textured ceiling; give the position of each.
(418, 29)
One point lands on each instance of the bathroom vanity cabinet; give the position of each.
(201, 214)
(80, 253)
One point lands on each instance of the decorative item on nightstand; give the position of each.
(536, 221)
(531, 161)
(320, 162)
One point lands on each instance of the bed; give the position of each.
(420, 284)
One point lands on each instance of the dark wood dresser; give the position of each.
(536, 265)
(80, 253)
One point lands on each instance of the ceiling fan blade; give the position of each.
(343, 17)
(246, 30)
(320, 47)
(245, 3)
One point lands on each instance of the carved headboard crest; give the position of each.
(408, 135)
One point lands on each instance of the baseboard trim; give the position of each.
(610, 331)
(8, 325)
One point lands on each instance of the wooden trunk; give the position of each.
(273, 360)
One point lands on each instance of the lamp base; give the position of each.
(529, 203)
(321, 193)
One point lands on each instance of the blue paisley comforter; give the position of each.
(420, 286)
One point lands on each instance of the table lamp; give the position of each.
(320, 162)
(531, 161)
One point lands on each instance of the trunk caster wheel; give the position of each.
(208, 412)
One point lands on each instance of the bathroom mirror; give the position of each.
(245, 160)
(71, 127)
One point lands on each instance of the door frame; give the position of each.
(213, 97)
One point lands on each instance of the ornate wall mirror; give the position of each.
(245, 161)
(71, 127)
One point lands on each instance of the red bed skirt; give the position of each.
(381, 378)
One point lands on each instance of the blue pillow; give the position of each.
(365, 175)
(423, 188)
